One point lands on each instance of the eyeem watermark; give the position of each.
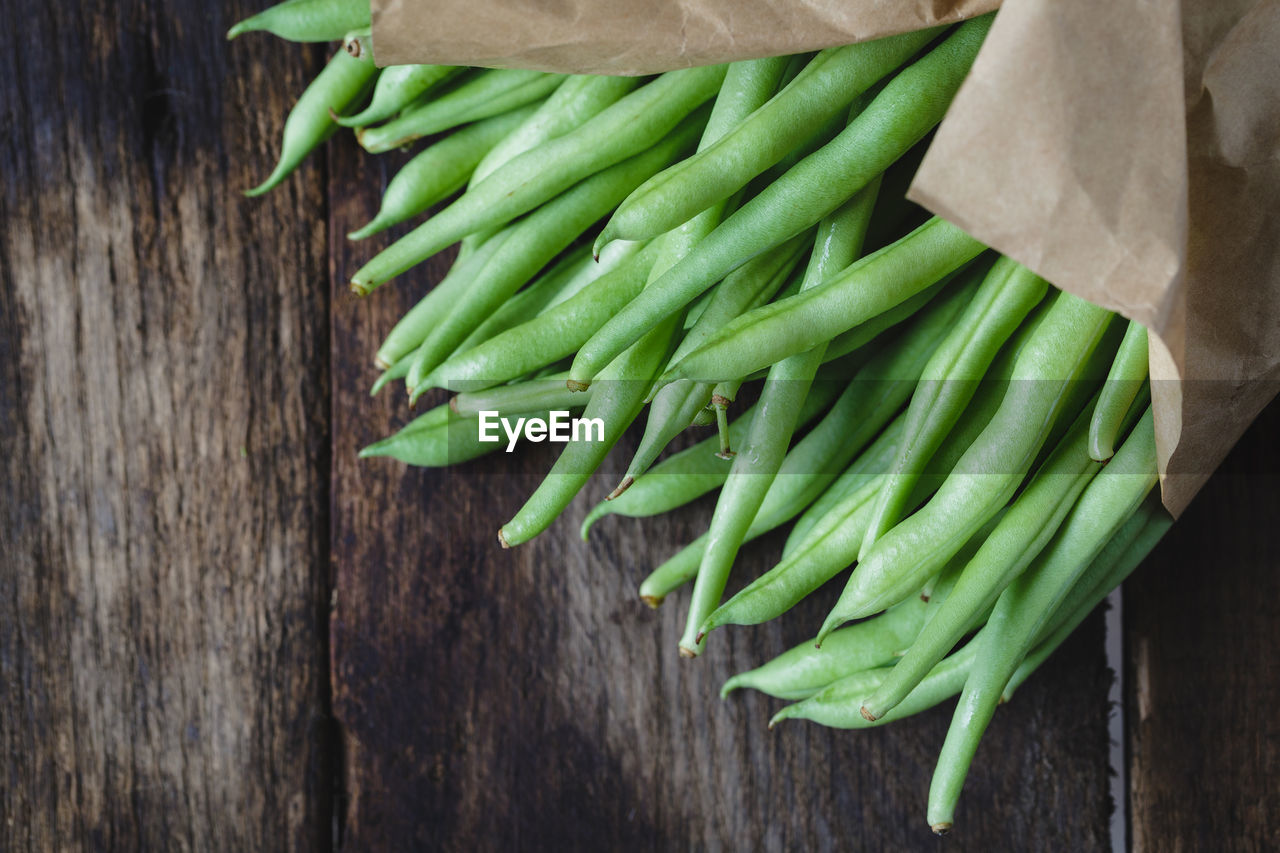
(559, 427)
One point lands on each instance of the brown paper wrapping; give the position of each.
(1126, 150)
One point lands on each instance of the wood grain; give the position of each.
(163, 438)
(1202, 637)
(527, 699)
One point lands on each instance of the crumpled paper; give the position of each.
(1127, 151)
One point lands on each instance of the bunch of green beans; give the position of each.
(977, 446)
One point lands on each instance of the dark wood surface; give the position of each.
(164, 439)
(192, 561)
(1202, 663)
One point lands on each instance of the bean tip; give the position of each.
(653, 601)
(502, 539)
(867, 714)
(577, 384)
(941, 828)
(686, 652)
(620, 488)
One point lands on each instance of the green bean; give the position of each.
(552, 335)
(836, 705)
(869, 287)
(573, 270)
(746, 86)
(877, 391)
(439, 171)
(972, 422)
(398, 86)
(412, 329)
(487, 94)
(1153, 521)
(539, 237)
(342, 81)
(1126, 379)
(766, 443)
(359, 44)
(819, 93)
(632, 124)
(1026, 528)
(898, 118)
(804, 670)
(867, 331)
(750, 478)
(546, 394)
(616, 404)
(435, 439)
(307, 20)
(990, 470)
(1030, 601)
(674, 407)
(869, 465)
(685, 476)
(579, 98)
(1006, 296)
(399, 370)
(831, 543)
(828, 552)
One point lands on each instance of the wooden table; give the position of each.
(219, 631)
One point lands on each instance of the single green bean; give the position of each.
(489, 93)
(359, 43)
(1126, 379)
(1006, 296)
(1029, 603)
(399, 370)
(990, 470)
(546, 394)
(307, 20)
(631, 125)
(818, 94)
(398, 86)
(439, 171)
(342, 81)
(438, 438)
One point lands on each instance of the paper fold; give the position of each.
(1127, 151)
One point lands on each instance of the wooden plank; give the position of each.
(1202, 640)
(163, 394)
(527, 699)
